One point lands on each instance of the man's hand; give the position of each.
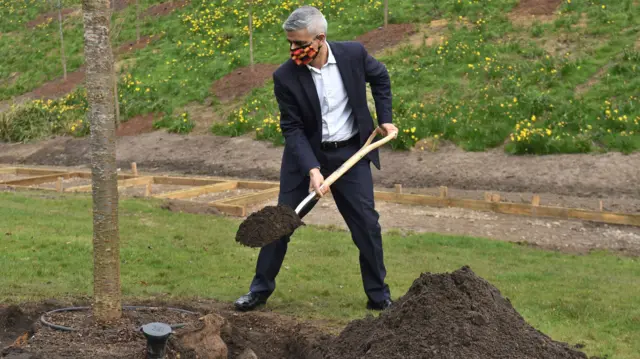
(316, 182)
(387, 128)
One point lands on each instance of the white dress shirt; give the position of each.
(337, 118)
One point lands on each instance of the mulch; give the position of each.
(536, 7)
(384, 37)
(240, 81)
(42, 18)
(137, 125)
(60, 86)
(165, 8)
(136, 45)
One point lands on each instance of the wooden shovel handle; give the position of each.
(368, 147)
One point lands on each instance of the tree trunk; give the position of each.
(386, 12)
(251, 36)
(137, 21)
(64, 60)
(99, 83)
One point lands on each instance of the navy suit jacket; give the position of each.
(300, 116)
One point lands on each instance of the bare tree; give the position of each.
(137, 21)
(386, 12)
(107, 305)
(64, 60)
(250, 2)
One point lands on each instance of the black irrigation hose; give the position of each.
(126, 307)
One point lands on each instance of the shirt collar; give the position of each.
(330, 59)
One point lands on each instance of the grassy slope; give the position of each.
(592, 299)
(463, 92)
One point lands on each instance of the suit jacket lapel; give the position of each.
(345, 70)
(309, 87)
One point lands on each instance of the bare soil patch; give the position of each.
(383, 37)
(119, 5)
(134, 45)
(60, 86)
(165, 8)
(241, 81)
(528, 12)
(137, 125)
(139, 191)
(50, 16)
(216, 196)
(536, 7)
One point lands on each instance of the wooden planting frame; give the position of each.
(266, 190)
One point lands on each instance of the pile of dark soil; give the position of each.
(268, 225)
(456, 315)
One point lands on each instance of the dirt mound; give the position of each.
(188, 207)
(137, 125)
(50, 16)
(241, 81)
(165, 8)
(536, 7)
(60, 86)
(384, 37)
(452, 315)
(268, 225)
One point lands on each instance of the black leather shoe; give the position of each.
(371, 305)
(250, 301)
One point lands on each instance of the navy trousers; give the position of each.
(353, 194)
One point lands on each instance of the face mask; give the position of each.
(304, 55)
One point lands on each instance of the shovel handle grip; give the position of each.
(368, 147)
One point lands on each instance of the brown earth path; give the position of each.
(579, 181)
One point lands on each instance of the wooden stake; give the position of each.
(535, 201)
(491, 197)
(386, 13)
(147, 190)
(601, 206)
(134, 168)
(59, 187)
(398, 188)
(444, 191)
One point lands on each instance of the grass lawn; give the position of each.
(45, 251)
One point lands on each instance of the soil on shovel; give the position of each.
(268, 225)
(456, 315)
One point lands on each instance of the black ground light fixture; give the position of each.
(157, 335)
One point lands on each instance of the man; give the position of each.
(324, 117)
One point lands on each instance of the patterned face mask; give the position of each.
(304, 55)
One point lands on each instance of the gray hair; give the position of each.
(306, 17)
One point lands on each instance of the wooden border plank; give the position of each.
(231, 209)
(126, 183)
(259, 185)
(10, 170)
(252, 198)
(27, 171)
(200, 190)
(31, 181)
(523, 209)
(185, 181)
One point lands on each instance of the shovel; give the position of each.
(274, 222)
